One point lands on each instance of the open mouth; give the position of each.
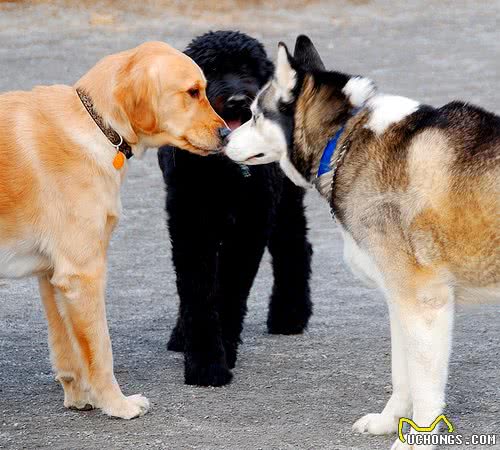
(233, 124)
(234, 113)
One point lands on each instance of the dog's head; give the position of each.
(236, 66)
(296, 111)
(154, 95)
(163, 94)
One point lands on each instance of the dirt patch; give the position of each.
(103, 13)
(189, 6)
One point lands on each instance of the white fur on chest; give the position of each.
(292, 173)
(360, 262)
(19, 262)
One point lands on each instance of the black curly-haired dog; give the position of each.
(222, 216)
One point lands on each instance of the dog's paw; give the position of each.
(376, 424)
(210, 374)
(75, 395)
(231, 351)
(287, 322)
(128, 407)
(176, 341)
(79, 405)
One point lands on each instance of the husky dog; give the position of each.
(416, 194)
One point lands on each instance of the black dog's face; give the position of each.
(231, 94)
(236, 67)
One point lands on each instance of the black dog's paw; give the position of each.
(285, 327)
(287, 322)
(176, 341)
(288, 314)
(231, 355)
(209, 374)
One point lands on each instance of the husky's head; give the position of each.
(296, 113)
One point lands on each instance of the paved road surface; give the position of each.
(288, 392)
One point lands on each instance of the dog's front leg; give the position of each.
(64, 351)
(195, 235)
(427, 322)
(80, 291)
(204, 355)
(399, 405)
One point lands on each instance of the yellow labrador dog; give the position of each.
(62, 161)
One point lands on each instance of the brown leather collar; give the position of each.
(113, 137)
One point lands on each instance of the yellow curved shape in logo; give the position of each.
(433, 425)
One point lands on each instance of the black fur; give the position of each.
(221, 221)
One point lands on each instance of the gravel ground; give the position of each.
(289, 392)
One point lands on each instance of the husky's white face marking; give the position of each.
(389, 109)
(358, 90)
(258, 141)
(262, 139)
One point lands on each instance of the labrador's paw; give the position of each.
(128, 407)
(76, 396)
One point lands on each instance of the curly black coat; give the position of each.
(221, 218)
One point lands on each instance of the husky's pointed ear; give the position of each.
(285, 75)
(306, 55)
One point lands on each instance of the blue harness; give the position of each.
(324, 164)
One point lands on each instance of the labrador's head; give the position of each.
(160, 95)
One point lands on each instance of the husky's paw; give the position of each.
(128, 407)
(376, 424)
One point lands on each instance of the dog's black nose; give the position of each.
(224, 133)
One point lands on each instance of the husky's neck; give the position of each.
(380, 112)
(319, 115)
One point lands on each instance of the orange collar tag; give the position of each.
(119, 160)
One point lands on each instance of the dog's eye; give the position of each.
(194, 92)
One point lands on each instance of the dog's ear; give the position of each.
(285, 75)
(136, 96)
(306, 55)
